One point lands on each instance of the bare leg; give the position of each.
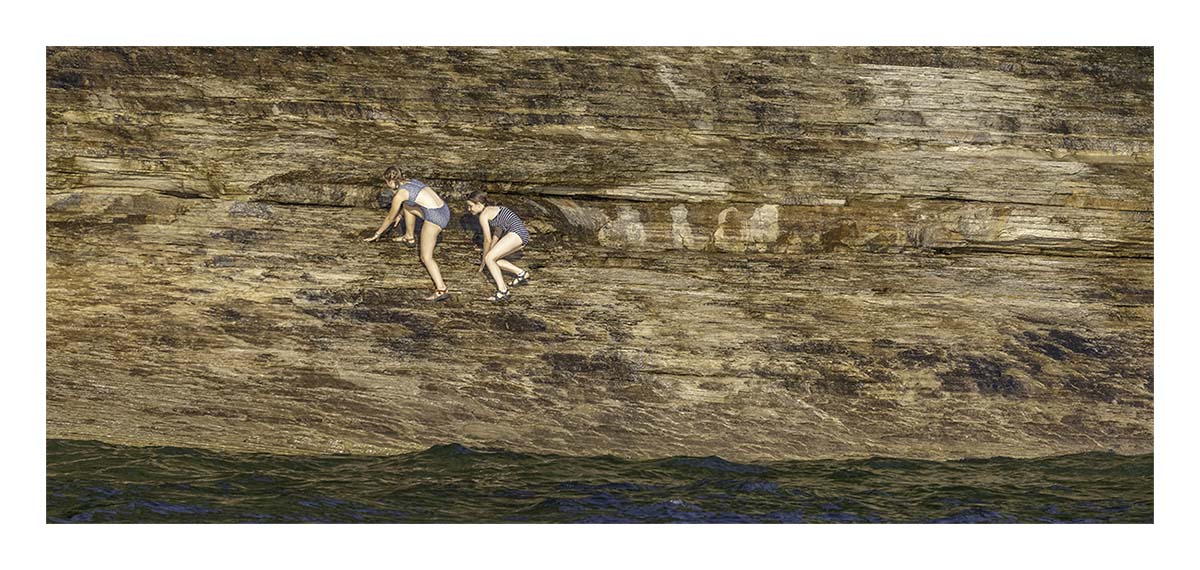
(429, 235)
(506, 266)
(410, 221)
(504, 263)
(506, 246)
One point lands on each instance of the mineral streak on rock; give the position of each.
(757, 253)
(681, 230)
(763, 228)
(626, 231)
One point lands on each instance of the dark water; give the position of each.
(94, 482)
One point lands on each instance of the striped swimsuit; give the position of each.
(438, 216)
(508, 221)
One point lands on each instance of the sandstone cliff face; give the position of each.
(752, 253)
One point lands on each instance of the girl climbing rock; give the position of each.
(417, 200)
(503, 235)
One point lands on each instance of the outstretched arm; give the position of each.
(393, 216)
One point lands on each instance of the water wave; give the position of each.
(93, 482)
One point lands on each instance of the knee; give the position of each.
(428, 260)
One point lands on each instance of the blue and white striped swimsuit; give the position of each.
(508, 221)
(438, 216)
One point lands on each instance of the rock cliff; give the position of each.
(757, 253)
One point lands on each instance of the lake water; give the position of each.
(92, 482)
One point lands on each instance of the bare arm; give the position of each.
(393, 216)
(487, 237)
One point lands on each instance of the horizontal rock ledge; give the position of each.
(757, 253)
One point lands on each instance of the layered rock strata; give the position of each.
(757, 253)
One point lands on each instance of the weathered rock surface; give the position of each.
(752, 253)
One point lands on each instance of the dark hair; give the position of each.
(391, 173)
(479, 197)
(385, 198)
